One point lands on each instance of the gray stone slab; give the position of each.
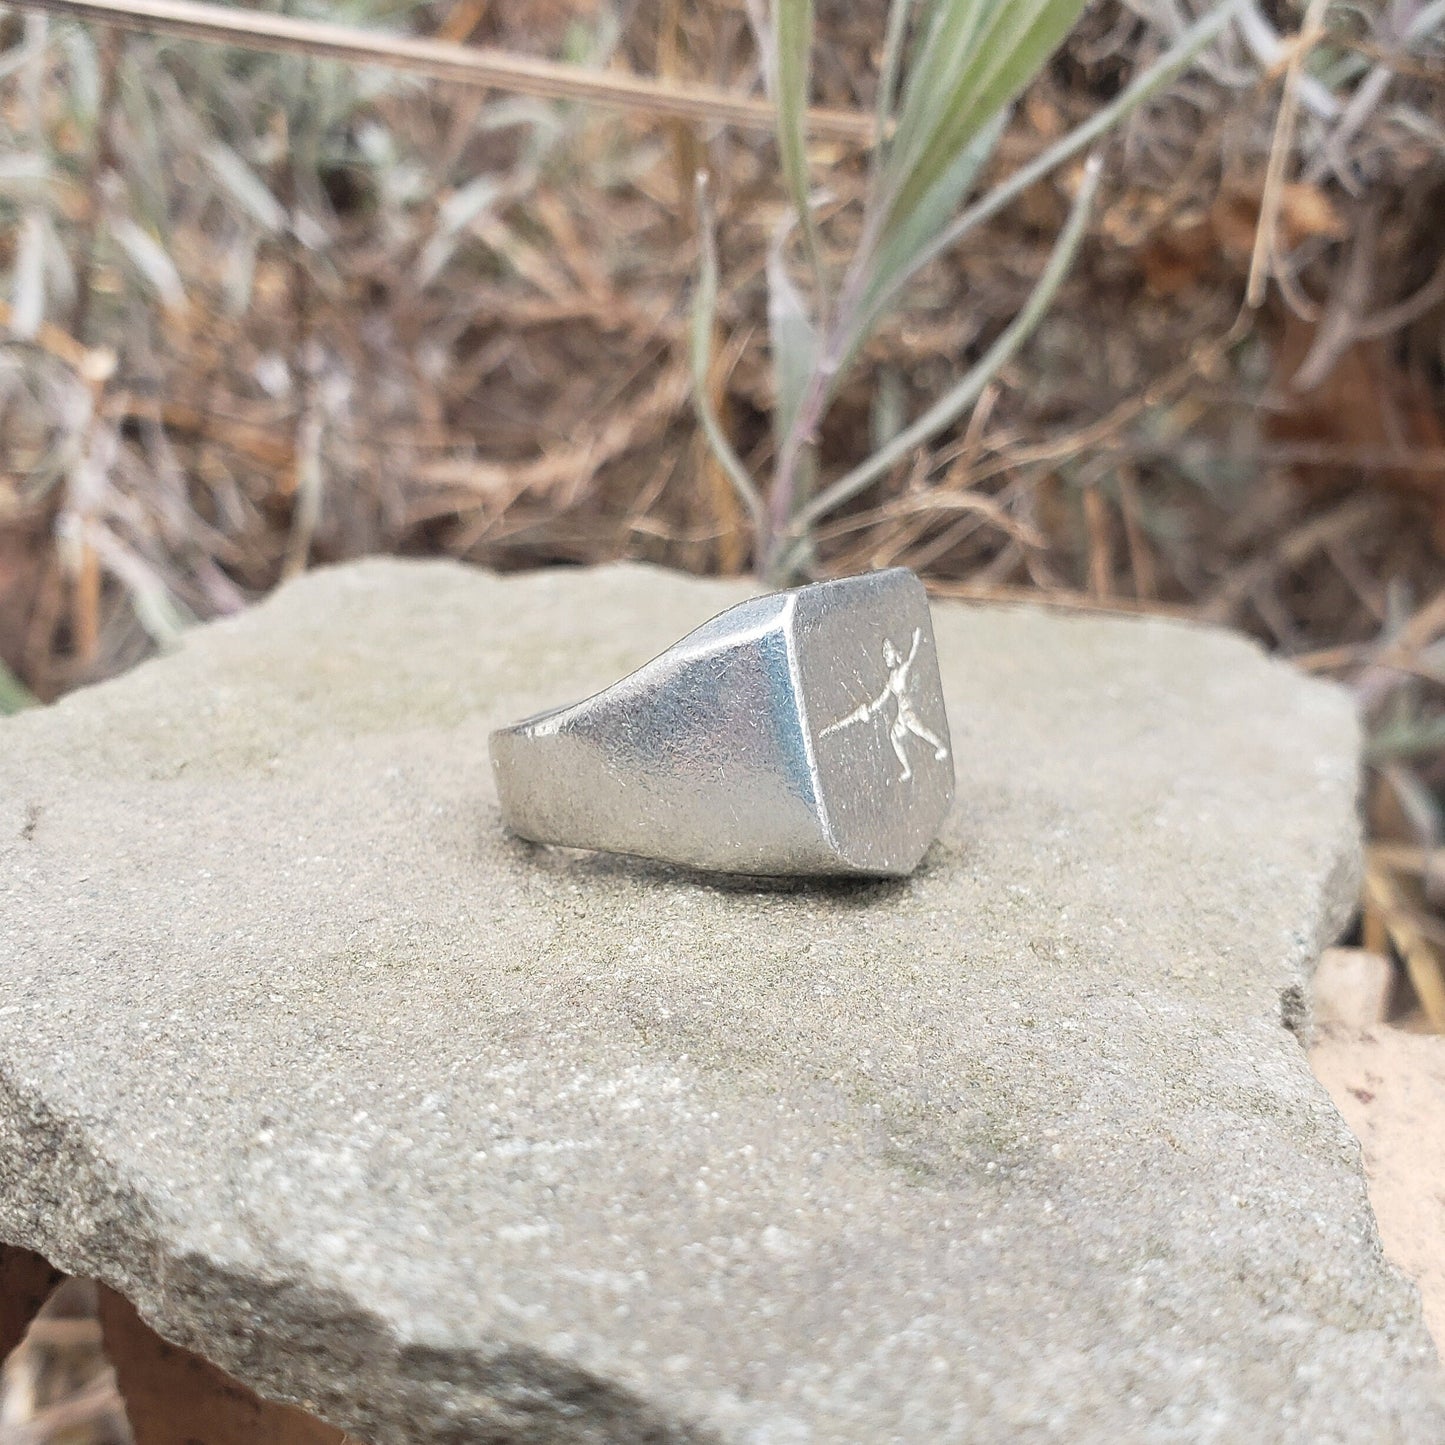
(453, 1138)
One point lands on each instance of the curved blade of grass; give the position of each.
(1006, 50)
(941, 53)
(902, 243)
(1011, 50)
(793, 47)
(1425, 22)
(704, 314)
(792, 337)
(895, 255)
(1196, 38)
(968, 389)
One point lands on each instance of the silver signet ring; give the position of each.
(799, 733)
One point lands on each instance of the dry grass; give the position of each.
(57, 1387)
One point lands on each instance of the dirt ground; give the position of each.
(1389, 1083)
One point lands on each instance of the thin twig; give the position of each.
(704, 312)
(1280, 151)
(102, 162)
(443, 60)
(1062, 598)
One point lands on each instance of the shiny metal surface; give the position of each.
(798, 733)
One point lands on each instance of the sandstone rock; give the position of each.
(453, 1138)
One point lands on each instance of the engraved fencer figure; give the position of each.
(906, 721)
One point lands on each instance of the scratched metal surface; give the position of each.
(800, 733)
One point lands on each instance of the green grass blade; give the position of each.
(895, 257)
(14, 695)
(1008, 50)
(792, 338)
(1198, 37)
(1011, 53)
(793, 23)
(966, 391)
(941, 53)
(901, 245)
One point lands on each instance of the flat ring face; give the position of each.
(798, 733)
(874, 704)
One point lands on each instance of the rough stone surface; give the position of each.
(454, 1138)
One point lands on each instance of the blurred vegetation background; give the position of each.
(261, 312)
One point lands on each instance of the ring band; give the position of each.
(799, 733)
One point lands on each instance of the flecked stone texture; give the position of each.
(449, 1137)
